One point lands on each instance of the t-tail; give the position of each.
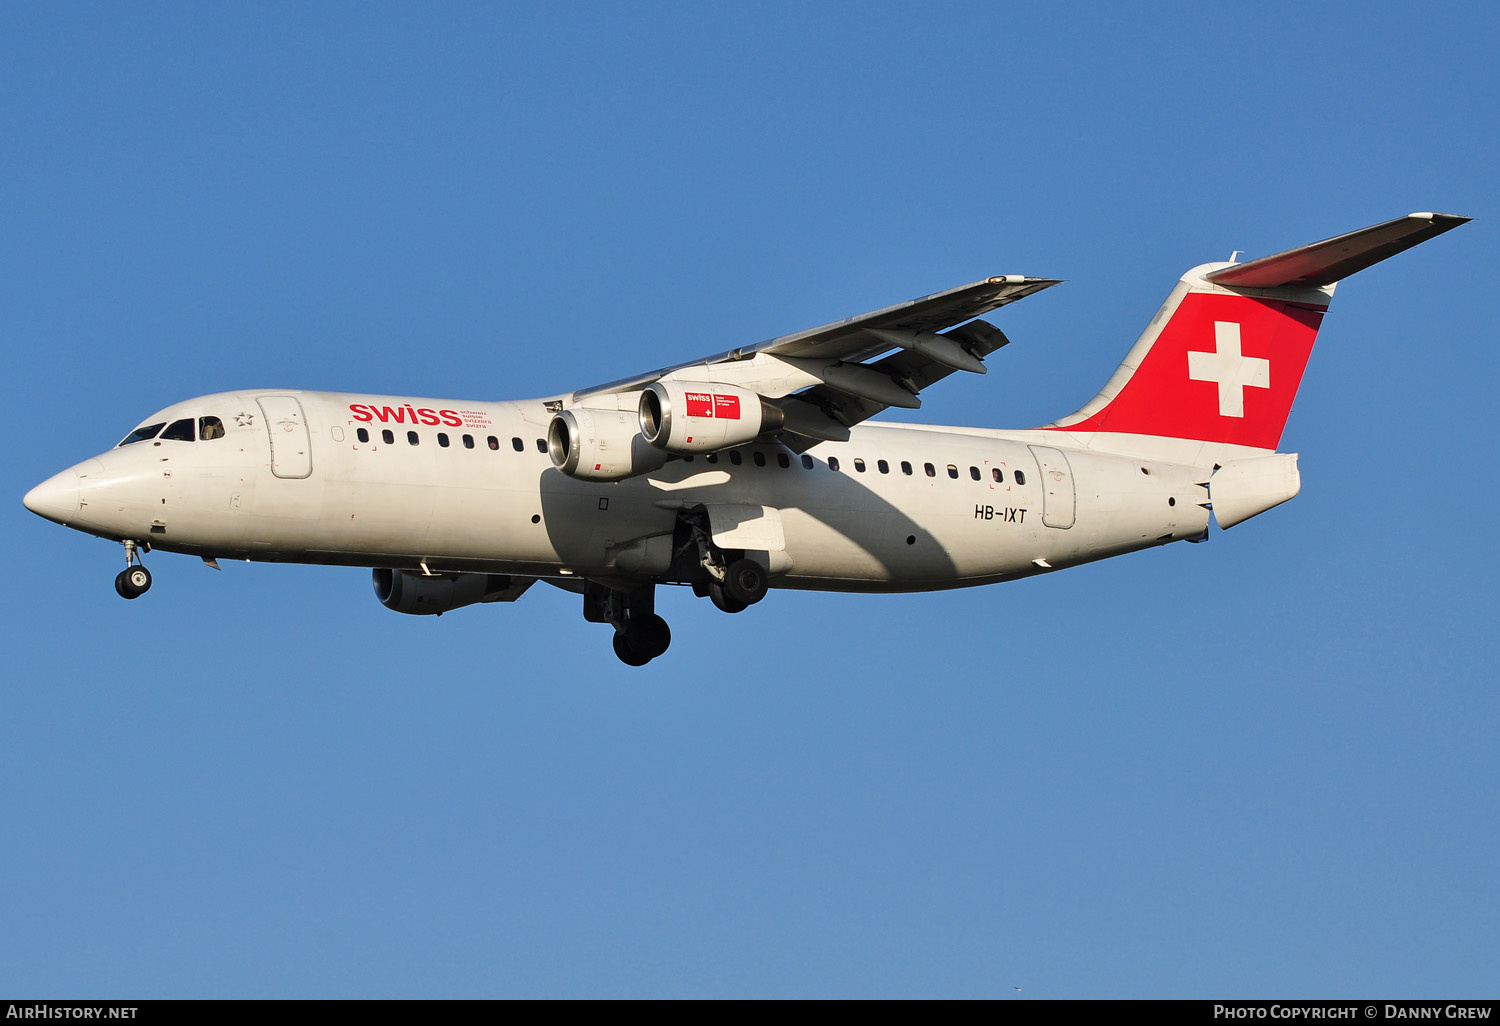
(1212, 378)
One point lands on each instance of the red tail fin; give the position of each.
(1224, 368)
(1215, 373)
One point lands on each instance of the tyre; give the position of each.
(745, 581)
(721, 598)
(133, 582)
(627, 652)
(650, 635)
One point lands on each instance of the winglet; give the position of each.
(1331, 260)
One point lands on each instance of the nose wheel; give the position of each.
(133, 582)
(135, 579)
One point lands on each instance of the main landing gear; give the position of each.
(731, 584)
(642, 641)
(640, 635)
(135, 579)
(731, 580)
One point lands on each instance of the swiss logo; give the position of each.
(712, 405)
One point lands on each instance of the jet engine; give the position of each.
(406, 592)
(600, 445)
(684, 417)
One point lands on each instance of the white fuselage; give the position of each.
(306, 487)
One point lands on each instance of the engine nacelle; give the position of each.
(406, 592)
(688, 417)
(600, 445)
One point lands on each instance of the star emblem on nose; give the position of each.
(244, 419)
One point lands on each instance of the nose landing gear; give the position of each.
(135, 579)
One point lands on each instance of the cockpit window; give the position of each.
(210, 427)
(179, 431)
(142, 433)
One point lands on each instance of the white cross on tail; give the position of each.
(1232, 372)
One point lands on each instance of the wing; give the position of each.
(827, 379)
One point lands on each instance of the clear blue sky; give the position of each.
(1263, 766)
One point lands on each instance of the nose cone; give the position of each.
(55, 498)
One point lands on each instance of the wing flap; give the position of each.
(908, 368)
(848, 340)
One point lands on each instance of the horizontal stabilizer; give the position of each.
(1331, 260)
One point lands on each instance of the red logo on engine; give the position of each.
(712, 405)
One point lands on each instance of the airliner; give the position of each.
(752, 469)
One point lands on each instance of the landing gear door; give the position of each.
(1059, 501)
(291, 444)
(737, 525)
(755, 530)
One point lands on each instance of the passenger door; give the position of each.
(291, 444)
(1059, 501)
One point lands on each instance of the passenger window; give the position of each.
(442, 440)
(997, 475)
(712, 457)
(906, 468)
(1020, 477)
(468, 441)
(209, 428)
(782, 461)
(387, 437)
(735, 458)
(362, 434)
(412, 438)
(974, 473)
(515, 443)
(807, 462)
(884, 467)
(833, 463)
(931, 470)
(952, 471)
(859, 466)
(141, 434)
(179, 431)
(760, 459)
(541, 445)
